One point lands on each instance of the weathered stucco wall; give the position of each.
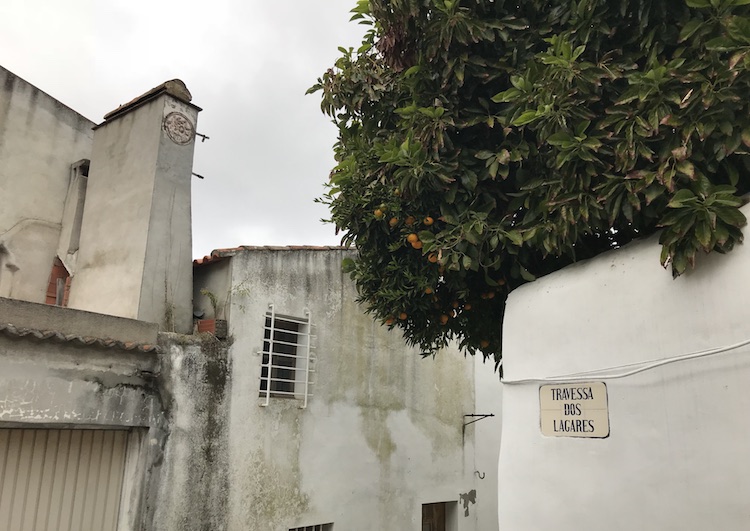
(39, 140)
(676, 455)
(67, 380)
(173, 399)
(192, 494)
(382, 433)
(135, 256)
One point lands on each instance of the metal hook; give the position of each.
(478, 473)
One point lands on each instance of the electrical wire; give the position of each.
(641, 367)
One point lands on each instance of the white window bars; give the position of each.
(287, 360)
(319, 527)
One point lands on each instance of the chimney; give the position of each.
(135, 251)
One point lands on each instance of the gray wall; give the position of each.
(173, 400)
(489, 400)
(192, 493)
(39, 140)
(382, 433)
(62, 384)
(135, 253)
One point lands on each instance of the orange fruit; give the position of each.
(428, 221)
(417, 244)
(467, 306)
(484, 343)
(491, 295)
(393, 222)
(432, 258)
(410, 220)
(378, 213)
(390, 320)
(455, 304)
(444, 319)
(411, 238)
(402, 316)
(501, 282)
(428, 290)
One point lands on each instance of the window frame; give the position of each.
(286, 364)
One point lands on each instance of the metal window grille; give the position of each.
(287, 358)
(319, 527)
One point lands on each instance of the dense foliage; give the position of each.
(484, 143)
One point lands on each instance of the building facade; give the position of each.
(116, 414)
(332, 419)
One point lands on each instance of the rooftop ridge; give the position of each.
(220, 254)
(11, 330)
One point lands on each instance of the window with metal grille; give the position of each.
(319, 527)
(287, 361)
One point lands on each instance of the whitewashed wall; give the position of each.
(382, 433)
(39, 140)
(678, 453)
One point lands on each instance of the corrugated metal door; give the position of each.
(61, 480)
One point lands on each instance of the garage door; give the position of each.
(61, 480)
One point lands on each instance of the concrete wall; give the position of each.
(676, 456)
(489, 400)
(77, 323)
(192, 493)
(135, 251)
(173, 400)
(39, 140)
(60, 384)
(382, 433)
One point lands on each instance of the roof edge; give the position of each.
(174, 87)
(220, 254)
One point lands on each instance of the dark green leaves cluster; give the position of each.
(485, 143)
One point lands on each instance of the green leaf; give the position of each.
(721, 44)
(686, 168)
(682, 197)
(525, 274)
(426, 236)
(526, 118)
(690, 28)
(412, 71)
(703, 234)
(506, 96)
(515, 237)
(347, 265)
(731, 216)
(746, 135)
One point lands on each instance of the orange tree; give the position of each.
(484, 143)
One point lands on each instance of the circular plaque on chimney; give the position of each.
(179, 128)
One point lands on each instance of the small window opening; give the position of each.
(286, 363)
(58, 288)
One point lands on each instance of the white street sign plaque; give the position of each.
(574, 410)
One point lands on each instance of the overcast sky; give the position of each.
(247, 63)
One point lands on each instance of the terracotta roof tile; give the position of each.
(220, 254)
(51, 335)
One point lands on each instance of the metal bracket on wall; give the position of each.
(480, 417)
